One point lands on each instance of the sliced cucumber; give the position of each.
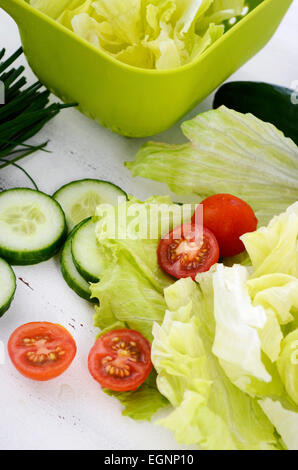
(70, 273)
(7, 286)
(85, 253)
(32, 226)
(79, 198)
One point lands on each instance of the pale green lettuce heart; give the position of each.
(219, 11)
(155, 34)
(55, 8)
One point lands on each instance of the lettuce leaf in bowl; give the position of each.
(154, 34)
(228, 152)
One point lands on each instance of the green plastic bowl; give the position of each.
(131, 101)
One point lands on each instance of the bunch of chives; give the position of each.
(25, 111)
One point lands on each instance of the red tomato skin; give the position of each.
(102, 349)
(228, 217)
(45, 373)
(177, 271)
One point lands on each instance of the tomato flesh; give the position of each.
(120, 360)
(184, 253)
(41, 350)
(228, 217)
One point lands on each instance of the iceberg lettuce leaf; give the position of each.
(55, 8)
(155, 34)
(131, 288)
(220, 11)
(228, 152)
(237, 344)
(274, 249)
(285, 421)
(124, 17)
(241, 334)
(208, 409)
(287, 364)
(276, 291)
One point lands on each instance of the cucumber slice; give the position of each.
(32, 226)
(79, 198)
(70, 273)
(85, 253)
(7, 286)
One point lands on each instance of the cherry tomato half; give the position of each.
(41, 350)
(182, 253)
(228, 217)
(120, 360)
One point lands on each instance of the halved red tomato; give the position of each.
(187, 250)
(228, 217)
(120, 360)
(41, 350)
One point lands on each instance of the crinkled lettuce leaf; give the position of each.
(209, 410)
(274, 249)
(287, 364)
(273, 290)
(236, 343)
(124, 18)
(285, 421)
(276, 291)
(273, 283)
(220, 11)
(55, 8)
(228, 152)
(155, 34)
(130, 290)
(241, 333)
(278, 294)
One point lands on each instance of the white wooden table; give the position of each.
(71, 412)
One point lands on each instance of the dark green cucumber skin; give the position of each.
(89, 180)
(17, 258)
(5, 307)
(33, 257)
(80, 292)
(68, 279)
(270, 103)
(86, 275)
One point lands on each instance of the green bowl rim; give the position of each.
(140, 70)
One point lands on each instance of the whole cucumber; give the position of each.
(271, 103)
